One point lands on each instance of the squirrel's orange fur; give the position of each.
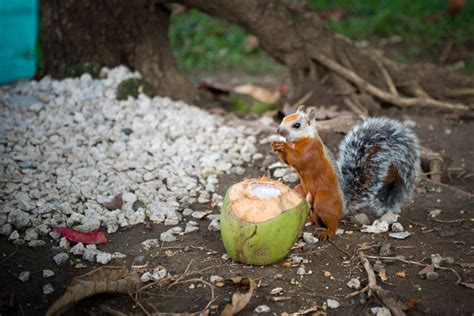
(319, 180)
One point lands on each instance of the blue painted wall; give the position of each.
(18, 35)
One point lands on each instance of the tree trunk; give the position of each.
(111, 33)
(323, 64)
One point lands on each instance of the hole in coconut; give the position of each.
(264, 191)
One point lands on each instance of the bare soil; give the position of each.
(332, 264)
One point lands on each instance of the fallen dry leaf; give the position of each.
(401, 274)
(383, 276)
(239, 300)
(170, 253)
(468, 285)
(115, 280)
(286, 264)
(425, 270)
(116, 203)
(258, 93)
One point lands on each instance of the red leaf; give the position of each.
(96, 237)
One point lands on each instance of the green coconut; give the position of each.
(260, 220)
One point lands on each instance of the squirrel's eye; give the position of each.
(296, 125)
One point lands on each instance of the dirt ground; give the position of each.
(332, 264)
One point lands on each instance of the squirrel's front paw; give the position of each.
(278, 146)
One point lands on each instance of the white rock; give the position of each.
(36, 243)
(400, 235)
(310, 238)
(48, 289)
(78, 249)
(14, 235)
(354, 283)
(397, 227)
(89, 254)
(171, 222)
(262, 309)
(146, 277)
(214, 226)
(380, 311)
(137, 218)
(6, 230)
(279, 173)
(61, 258)
(199, 214)
(297, 259)
(30, 234)
(333, 304)
(167, 237)
(48, 273)
(64, 243)
(190, 228)
(187, 212)
(301, 271)
(159, 275)
(103, 257)
(216, 278)
(24, 276)
(150, 243)
(129, 197)
(291, 177)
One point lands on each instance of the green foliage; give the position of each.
(245, 104)
(423, 25)
(201, 42)
(133, 87)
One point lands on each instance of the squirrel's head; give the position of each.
(298, 125)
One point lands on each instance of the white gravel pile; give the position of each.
(67, 146)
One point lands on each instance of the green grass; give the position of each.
(201, 42)
(407, 18)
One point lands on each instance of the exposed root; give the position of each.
(391, 85)
(383, 95)
(373, 290)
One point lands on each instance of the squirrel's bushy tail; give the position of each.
(378, 162)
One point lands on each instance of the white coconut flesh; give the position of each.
(257, 201)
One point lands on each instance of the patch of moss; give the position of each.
(77, 70)
(133, 87)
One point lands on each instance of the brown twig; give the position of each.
(383, 95)
(386, 297)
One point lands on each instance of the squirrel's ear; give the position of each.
(300, 108)
(311, 115)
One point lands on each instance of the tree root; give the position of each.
(383, 95)
(373, 290)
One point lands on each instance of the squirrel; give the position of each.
(376, 167)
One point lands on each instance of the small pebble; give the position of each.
(60, 258)
(48, 289)
(397, 227)
(262, 309)
(24, 276)
(48, 273)
(332, 303)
